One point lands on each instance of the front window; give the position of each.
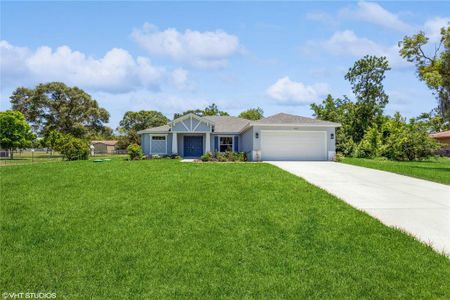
(158, 138)
(225, 143)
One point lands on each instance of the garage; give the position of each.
(293, 145)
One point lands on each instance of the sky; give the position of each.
(175, 56)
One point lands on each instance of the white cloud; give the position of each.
(347, 43)
(117, 70)
(286, 91)
(322, 17)
(11, 62)
(180, 79)
(374, 13)
(209, 49)
(432, 28)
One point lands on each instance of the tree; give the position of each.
(132, 122)
(252, 114)
(73, 148)
(329, 110)
(406, 141)
(366, 79)
(15, 132)
(52, 140)
(141, 120)
(341, 111)
(432, 68)
(370, 145)
(433, 121)
(211, 110)
(55, 106)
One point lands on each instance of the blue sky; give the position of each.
(176, 56)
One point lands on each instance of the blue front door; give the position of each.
(193, 146)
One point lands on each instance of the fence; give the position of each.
(28, 156)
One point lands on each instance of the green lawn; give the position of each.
(437, 170)
(27, 157)
(165, 229)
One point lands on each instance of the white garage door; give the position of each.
(293, 145)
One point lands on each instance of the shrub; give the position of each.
(370, 145)
(135, 152)
(156, 156)
(221, 157)
(239, 156)
(346, 145)
(206, 157)
(74, 148)
(229, 156)
(339, 157)
(405, 141)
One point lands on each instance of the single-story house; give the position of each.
(278, 137)
(104, 146)
(443, 137)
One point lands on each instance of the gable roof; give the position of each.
(227, 124)
(189, 115)
(288, 119)
(159, 129)
(108, 143)
(441, 135)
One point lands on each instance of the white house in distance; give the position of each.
(278, 137)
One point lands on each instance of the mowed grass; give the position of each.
(437, 170)
(166, 229)
(27, 157)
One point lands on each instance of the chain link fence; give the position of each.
(32, 156)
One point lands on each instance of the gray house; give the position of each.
(278, 137)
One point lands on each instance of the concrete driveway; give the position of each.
(417, 206)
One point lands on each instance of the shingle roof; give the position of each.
(441, 135)
(108, 143)
(283, 118)
(162, 128)
(227, 124)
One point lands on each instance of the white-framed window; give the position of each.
(226, 143)
(158, 138)
(158, 144)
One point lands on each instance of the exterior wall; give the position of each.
(100, 148)
(146, 144)
(110, 149)
(103, 148)
(331, 143)
(445, 142)
(179, 128)
(194, 127)
(247, 143)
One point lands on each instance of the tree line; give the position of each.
(366, 131)
(66, 118)
(62, 118)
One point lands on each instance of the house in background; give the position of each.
(278, 137)
(102, 147)
(443, 137)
